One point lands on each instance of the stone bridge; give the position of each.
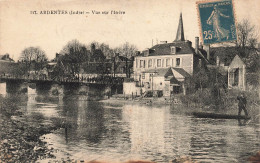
(95, 86)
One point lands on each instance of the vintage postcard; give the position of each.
(129, 81)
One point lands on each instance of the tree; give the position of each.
(246, 45)
(247, 34)
(34, 58)
(107, 51)
(201, 78)
(127, 50)
(74, 54)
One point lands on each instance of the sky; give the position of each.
(143, 21)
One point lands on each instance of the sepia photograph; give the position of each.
(130, 81)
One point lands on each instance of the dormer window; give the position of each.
(173, 50)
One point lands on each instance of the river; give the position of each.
(119, 132)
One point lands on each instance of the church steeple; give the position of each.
(180, 31)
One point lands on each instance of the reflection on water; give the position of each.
(99, 131)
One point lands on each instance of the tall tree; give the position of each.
(34, 58)
(247, 34)
(247, 45)
(74, 54)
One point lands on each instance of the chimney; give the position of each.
(93, 48)
(196, 45)
(207, 49)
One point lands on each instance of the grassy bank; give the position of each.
(19, 137)
(225, 102)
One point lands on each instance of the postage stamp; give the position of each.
(217, 21)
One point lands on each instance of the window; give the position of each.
(231, 78)
(159, 63)
(162, 62)
(236, 77)
(144, 63)
(149, 63)
(178, 62)
(167, 62)
(160, 83)
(141, 63)
(173, 50)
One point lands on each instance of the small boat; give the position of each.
(218, 115)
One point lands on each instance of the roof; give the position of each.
(180, 31)
(182, 47)
(166, 72)
(159, 72)
(173, 80)
(182, 72)
(6, 57)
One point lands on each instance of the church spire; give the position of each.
(180, 31)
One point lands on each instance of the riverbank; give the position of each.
(199, 101)
(20, 136)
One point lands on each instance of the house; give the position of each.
(7, 65)
(178, 58)
(237, 73)
(6, 58)
(168, 80)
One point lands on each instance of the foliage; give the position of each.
(252, 80)
(200, 78)
(19, 69)
(8, 107)
(199, 98)
(34, 58)
(107, 51)
(74, 54)
(252, 61)
(128, 50)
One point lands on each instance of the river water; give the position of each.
(119, 132)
